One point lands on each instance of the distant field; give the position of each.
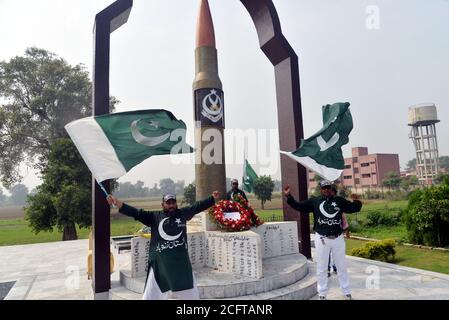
(11, 212)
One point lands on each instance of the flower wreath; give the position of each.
(247, 219)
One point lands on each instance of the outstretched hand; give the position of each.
(287, 190)
(114, 201)
(355, 196)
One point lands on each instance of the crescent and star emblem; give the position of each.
(212, 106)
(325, 213)
(148, 141)
(324, 145)
(164, 235)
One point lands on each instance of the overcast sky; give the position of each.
(381, 56)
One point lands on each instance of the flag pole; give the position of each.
(105, 193)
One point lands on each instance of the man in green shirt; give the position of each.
(169, 271)
(327, 212)
(235, 191)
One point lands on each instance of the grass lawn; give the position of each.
(432, 260)
(17, 231)
(397, 232)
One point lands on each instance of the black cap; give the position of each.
(168, 196)
(326, 183)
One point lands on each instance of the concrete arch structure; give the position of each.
(285, 62)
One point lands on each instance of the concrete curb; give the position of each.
(401, 268)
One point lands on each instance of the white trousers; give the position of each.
(153, 292)
(338, 248)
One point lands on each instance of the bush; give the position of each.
(354, 226)
(427, 216)
(382, 250)
(382, 218)
(396, 195)
(373, 195)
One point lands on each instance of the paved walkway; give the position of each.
(57, 270)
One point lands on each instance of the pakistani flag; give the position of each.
(112, 144)
(249, 176)
(322, 151)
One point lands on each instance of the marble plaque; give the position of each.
(278, 238)
(140, 250)
(197, 249)
(234, 252)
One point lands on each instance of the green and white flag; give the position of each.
(112, 144)
(322, 152)
(249, 176)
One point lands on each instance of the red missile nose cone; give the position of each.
(205, 36)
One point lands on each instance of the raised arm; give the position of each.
(200, 206)
(351, 207)
(304, 206)
(145, 217)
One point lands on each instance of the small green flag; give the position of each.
(322, 152)
(113, 144)
(249, 176)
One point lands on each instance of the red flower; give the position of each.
(247, 216)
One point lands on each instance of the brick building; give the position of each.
(364, 170)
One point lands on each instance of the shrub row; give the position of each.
(382, 250)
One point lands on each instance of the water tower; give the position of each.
(422, 119)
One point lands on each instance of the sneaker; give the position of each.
(328, 274)
(322, 298)
(348, 297)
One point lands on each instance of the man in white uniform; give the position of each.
(327, 216)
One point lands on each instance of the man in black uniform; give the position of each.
(170, 270)
(235, 190)
(327, 212)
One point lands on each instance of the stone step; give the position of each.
(303, 289)
(278, 272)
(121, 293)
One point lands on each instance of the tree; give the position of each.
(443, 162)
(414, 181)
(179, 186)
(440, 178)
(167, 185)
(155, 191)
(427, 215)
(19, 194)
(63, 200)
(141, 190)
(344, 192)
(411, 165)
(189, 194)
(42, 93)
(125, 190)
(263, 189)
(392, 180)
(409, 182)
